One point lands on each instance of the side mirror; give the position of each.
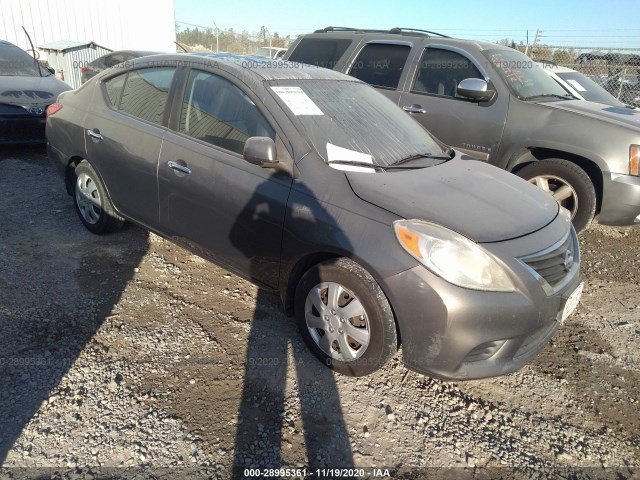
(476, 89)
(260, 151)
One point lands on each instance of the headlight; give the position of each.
(451, 256)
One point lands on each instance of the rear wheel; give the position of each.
(568, 184)
(92, 202)
(345, 318)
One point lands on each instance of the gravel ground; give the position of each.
(125, 355)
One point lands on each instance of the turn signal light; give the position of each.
(634, 160)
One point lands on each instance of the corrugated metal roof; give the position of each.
(64, 45)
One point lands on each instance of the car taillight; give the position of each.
(51, 109)
(84, 69)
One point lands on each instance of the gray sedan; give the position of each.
(312, 184)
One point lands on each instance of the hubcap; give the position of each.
(88, 199)
(559, 189)
(337, 321)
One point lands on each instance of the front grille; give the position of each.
(556, 264)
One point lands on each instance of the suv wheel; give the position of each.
(568, 184)
(345, 318)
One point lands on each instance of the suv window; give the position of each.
(214, 110)
(380, 64)
(320, 52)
(440, 72)
(144, 93)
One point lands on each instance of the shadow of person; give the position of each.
(58, 284)
(284, 412)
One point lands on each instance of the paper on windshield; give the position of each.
(335, 153)
(297, 101)
(576, 85)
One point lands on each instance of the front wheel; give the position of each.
(345, 318)
(92, 202)
(568, 184)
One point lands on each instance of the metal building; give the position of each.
(67, 58)
(114, 24)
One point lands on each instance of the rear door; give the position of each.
(211, 199)
(383, 64)
(124, 132)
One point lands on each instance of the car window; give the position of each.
(111, 60)
(17, 62)
(589, 89)
(214, 110)
(380, 64)
(441, 71)
(113, 89)
(145, 93)
(320, 52)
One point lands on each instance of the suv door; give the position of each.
(133, 111)
(470, 126)
(383, 64)
(211, 199)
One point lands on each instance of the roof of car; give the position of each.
(249, 68)
(401, 33)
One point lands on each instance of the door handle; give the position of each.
(95, 135)
(415, 108)
(180, 168)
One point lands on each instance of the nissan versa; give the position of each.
(311, 183)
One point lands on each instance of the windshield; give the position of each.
(589, 89)
(16, 62)
(350, 121)
(527, 80)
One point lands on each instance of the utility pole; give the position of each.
(217, 36)
(535, 41)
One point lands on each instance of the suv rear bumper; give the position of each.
(620, 200)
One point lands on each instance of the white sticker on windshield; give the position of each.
(339, 154)
(575, 84)
(297, 101)
(336, 153)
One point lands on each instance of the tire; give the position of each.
(570, 186)
(328, 334)
(92, 202)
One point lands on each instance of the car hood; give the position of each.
(477, 200)
(30, 91)
(621, 115)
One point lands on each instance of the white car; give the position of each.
(579, 85)
(270, 52)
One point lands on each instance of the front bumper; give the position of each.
(620, 200)
(454, 333)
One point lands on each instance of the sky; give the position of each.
(589, 23)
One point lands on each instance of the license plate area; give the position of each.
(571, 304)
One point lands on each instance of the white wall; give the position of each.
(115, 24)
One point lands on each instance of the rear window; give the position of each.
(320, 52)
(17, 62)
(380, 64)
(142, 94)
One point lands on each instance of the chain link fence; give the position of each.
(615, 70)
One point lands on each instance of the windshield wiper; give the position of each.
(373, 166)
(450, 155)
(550, 95)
